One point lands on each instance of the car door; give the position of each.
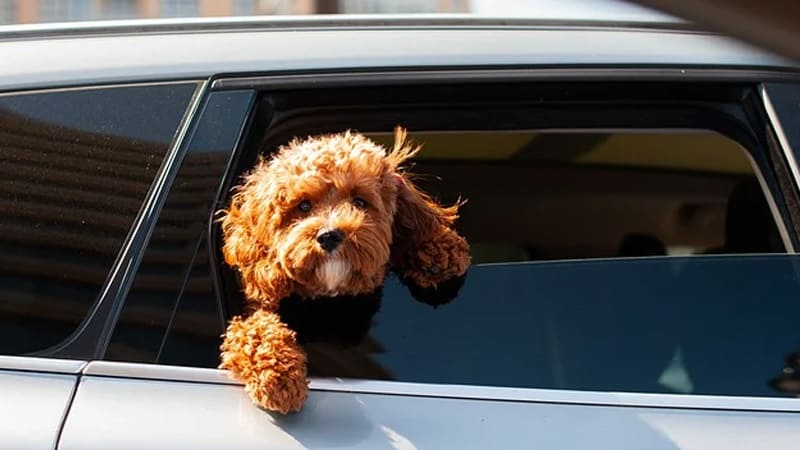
(619, 297)
(36, 396)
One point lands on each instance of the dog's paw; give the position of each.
(442, 258)
(263, 353)
(281, 393)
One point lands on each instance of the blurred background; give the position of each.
(35, 11)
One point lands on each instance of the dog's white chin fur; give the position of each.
(332, 273)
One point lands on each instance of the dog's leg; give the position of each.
(263, 353)
(428, 254)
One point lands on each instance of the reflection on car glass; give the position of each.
(69, 196)
(171, 314)
(110, 112)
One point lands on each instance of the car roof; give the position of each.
(151, 50)
(561, 12)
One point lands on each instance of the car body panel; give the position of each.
(33, 407)
(189, 414)
(67, 61)
(156, 372)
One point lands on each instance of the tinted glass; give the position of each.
(697, 325)
(76, 166)
(173, 289)
(193, 337)
(785, 98)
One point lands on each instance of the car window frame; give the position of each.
(344, 80)
(224, 82)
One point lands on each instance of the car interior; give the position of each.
(598, 194)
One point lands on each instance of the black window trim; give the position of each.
(92, 336)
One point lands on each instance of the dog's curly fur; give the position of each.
(340, 182)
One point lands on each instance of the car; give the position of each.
(632, 198)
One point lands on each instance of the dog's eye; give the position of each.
(360, 203)
(304, 206)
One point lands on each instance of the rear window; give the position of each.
(76, 165)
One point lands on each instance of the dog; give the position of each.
(313, 232)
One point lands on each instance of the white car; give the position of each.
(632, 213)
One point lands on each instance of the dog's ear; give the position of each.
(247, 228)
(429, 255)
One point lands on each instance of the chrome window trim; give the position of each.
(96, 87)
(327, 79)
(560, 396)
(95, 329)
(157, 372)
(153, 372)
(49, 365)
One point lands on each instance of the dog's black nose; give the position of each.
(330, 240)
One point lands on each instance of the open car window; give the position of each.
(559, 296)
(612, 250)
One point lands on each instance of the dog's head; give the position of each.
(325, 216)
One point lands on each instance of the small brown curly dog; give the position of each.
(326, 219)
